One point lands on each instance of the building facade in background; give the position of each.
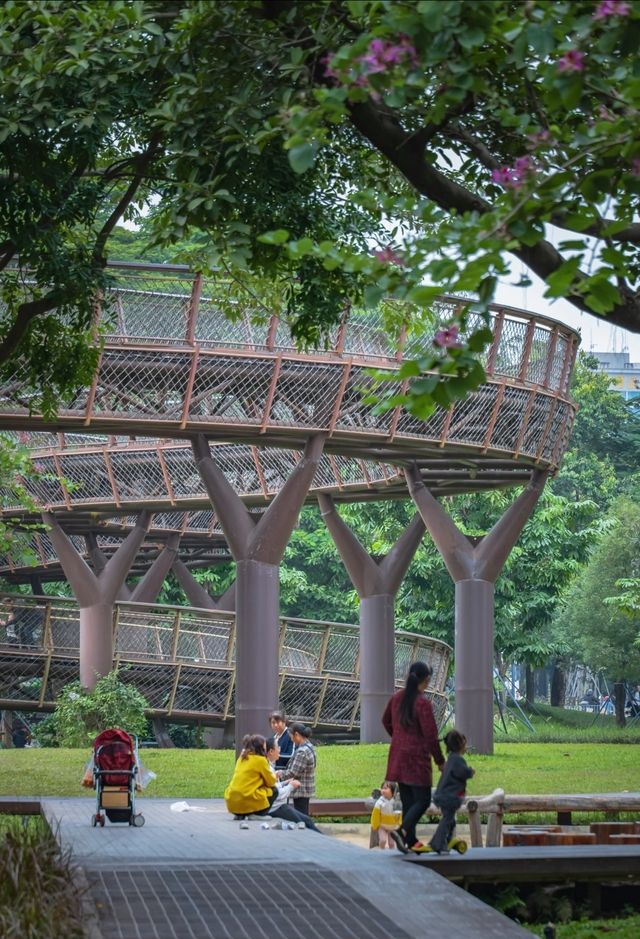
(624, 374)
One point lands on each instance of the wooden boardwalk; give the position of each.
(197, 875)
(539, 864)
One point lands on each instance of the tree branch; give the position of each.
(406, 152)
(142, 164)
(26, 313)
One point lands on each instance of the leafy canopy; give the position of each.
(320, 154)
(81, 715)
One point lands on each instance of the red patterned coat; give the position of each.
(411, 747)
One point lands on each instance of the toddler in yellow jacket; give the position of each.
(385, 816)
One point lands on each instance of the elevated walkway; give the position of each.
(183, 661)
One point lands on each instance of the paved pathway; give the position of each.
(197, 875)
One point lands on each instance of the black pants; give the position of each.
(287, 813)
(301, 804)
(446, 826)
(415, 802)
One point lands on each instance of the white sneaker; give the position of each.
(301, 825)
(244, 825)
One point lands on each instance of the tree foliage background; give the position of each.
(319, 154)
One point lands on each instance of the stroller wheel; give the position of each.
(138, 821)
(101, 820)
(94, 820)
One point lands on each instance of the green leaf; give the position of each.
(302, 157)
(478, 340)
(277, 237)
(602, 296)
(560, 281)
(423, 296)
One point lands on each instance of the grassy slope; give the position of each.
(343, 771)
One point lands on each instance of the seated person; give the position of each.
(282, 791)
(250, 791)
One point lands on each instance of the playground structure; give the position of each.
(239, 403)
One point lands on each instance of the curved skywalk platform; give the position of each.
(173, 365)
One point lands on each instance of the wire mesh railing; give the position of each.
(183, 659)
(174, 363)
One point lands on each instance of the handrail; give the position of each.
(166, 634)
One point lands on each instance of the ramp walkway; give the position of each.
(197, 875)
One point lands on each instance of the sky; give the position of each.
(597, 334)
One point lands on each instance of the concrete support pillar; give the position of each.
(257, 549)
(198, 596)
(377, 582)
(96, 594)
(474, 569)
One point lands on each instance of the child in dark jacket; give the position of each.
(451, 790)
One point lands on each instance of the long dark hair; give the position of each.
(417, 674)
(252, 743)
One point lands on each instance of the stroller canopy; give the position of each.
(114, 750)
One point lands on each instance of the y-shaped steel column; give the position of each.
(474, 570)
(198, 596)
(150, 585)
(257, 549)
(99, 562)
(377, 582)
(96, 594)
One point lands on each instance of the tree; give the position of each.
(320, 154)
(600, 633)
(16, 466)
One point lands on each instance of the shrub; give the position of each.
(38, 895)
(81, 715)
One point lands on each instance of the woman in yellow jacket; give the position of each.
(250, 791)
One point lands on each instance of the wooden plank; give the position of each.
(551, 864)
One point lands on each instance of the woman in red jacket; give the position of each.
(408, 719)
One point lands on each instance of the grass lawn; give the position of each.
(343, 771)
(627, 928)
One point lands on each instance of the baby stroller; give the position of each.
(115, 767)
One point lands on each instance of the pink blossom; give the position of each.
(446, 338)
(382, 54)
(23, 436)
(635, 167)
(540, 138)
(571, 61)
(329, 71)
(604, 114)
(388, 255)
(39, 468)
(608, 8)
(513, 177)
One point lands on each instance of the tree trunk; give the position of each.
(558, 686)
(529, 684)
(619, 693)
